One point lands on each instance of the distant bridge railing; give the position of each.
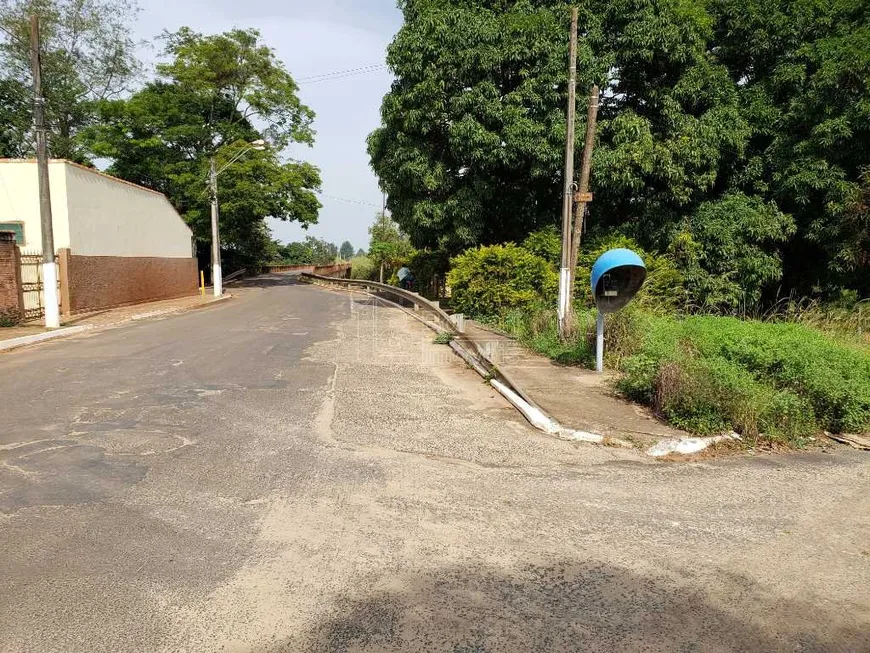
(340, 270)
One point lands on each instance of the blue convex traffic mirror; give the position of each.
(616, 277)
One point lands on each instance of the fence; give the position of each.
(32, 286)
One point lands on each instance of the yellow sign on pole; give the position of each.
(582, 197)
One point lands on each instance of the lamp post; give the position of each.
(213, 172)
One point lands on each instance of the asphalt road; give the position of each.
(297, 470)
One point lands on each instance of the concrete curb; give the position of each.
(36, 338)
(23, 341)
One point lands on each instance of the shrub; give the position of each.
(430, 270)
(8, 319)
(546, 243)
(537, 328)
(487, 281)
(781, 380)
(362, 267)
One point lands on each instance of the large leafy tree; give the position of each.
(215, 95)
(804, 73)
(729, 131)
(87, 56)
(473, 128)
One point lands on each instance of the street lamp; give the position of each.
(216, 274)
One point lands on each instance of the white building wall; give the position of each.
(19, 201)
(110, 217)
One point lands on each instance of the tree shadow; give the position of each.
(575, 606)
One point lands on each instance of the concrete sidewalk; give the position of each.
(33, 332)
(577, 398)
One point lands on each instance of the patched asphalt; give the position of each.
(301, 470)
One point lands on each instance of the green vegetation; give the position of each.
(732, 138)
(88, 55)
(8, 320)
(346, 251)
(707, 374)
(486, 281)
(212, 94)
(200, 107)
(388, 247)
(443, 338)
(311, 251)
(362, 267)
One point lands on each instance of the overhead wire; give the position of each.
(341, 74)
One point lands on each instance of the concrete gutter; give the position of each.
(36, 338)
(23, 341)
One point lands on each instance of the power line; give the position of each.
(348, 200)
(341, 74)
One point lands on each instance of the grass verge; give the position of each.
(777, 381)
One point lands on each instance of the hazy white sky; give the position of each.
(313, 38)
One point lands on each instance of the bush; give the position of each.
(706, 373)
(546, 243)
(430, 270)
(488, 281)
(8, 319)
(362, 267)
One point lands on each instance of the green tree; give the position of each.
(15, 119)
(473, 129)
(804, 72)
(703, 103)
(322, 252)
(87, 56)
(388, 244)
(164, 136)
(346, 251)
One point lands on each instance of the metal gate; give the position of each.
(32, 286)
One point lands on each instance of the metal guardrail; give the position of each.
(444, 321)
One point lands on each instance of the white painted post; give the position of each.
(564, 295)
(216, 276)
(599, 343)
(49, 294)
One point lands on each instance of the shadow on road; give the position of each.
(589, 606)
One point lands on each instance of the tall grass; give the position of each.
(779, 380)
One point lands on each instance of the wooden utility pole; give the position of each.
(583, 194)
(49, 267)
(564, 308)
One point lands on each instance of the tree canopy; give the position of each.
(87, 56)
(164, 135)
(346, 250)
(732, 135)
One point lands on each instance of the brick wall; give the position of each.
(94, 282)
(11, 299)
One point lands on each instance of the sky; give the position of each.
(312, 38)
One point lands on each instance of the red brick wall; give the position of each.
(94, 282)
(11, 301)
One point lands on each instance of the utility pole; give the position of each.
(217, 280)
(564, 308)
(584, 196)
(49, 267)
